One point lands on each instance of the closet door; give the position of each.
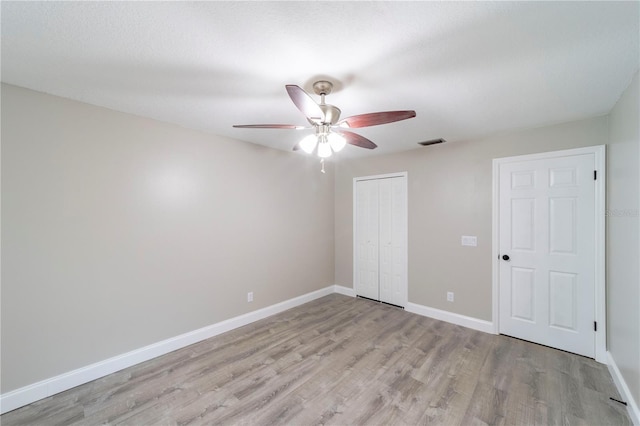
(366, 239)
(380, 240)
(392, 240)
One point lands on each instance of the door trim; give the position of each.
(405, 175)
(599, 152)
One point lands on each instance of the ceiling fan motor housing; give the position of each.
(331, 114)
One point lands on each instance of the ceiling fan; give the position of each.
(330, 135)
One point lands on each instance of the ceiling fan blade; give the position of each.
(357, 140)
(375, 118)
(267, 126)
(305, 103)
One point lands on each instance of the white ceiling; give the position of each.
(467, 69)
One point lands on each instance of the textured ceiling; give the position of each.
(467, 69)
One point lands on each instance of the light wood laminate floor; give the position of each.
(340, 360)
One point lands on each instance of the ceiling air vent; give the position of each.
(432, 142)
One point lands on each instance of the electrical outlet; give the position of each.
(449, 296)
(250, 296)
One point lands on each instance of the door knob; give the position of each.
(505, 257)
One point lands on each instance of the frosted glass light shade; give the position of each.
(337, 141)
(324, 150)
(308, 143)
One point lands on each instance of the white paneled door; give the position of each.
(547, 251)
(367, 266)
(380, 269)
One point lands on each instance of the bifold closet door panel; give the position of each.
(367, 239)
(392, 231)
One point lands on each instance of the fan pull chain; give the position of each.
(322, 163)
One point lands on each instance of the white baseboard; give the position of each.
(632, 406)
(463, 320)
(45, 388)
(347, 291)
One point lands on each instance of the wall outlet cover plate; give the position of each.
(468, 240)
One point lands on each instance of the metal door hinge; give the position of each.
(595, 326)
(595, 175)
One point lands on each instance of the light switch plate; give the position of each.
(468, 240)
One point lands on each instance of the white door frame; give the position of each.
(405, 175)
(600, 205)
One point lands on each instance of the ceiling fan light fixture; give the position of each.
(336, 141)
(308, 143)
(324, 149)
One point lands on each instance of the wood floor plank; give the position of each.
(342, 361)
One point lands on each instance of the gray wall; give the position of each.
(623, 237)
(120, 231)
(450, 187)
